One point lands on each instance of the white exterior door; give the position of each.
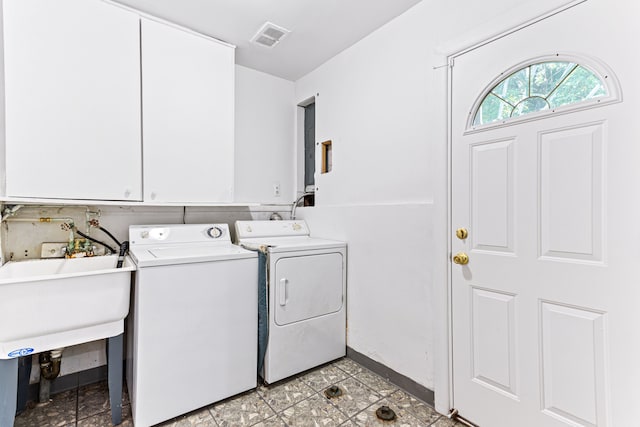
(545, 314)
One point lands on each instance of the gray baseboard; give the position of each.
(405, 383)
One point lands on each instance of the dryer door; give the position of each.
(306, 287)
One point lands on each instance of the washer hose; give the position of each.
(86, 236)
(124, 249)
(105, 231)
(124, 246)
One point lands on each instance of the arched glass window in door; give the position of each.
(540, 86)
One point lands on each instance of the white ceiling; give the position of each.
(319, 28)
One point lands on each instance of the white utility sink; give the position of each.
(52, 303)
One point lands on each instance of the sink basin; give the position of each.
(52, 303)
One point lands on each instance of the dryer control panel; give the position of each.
(254, 229)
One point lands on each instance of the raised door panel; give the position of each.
(188, 113)
(72, 74)
(571, 204)
(574, 371)
(493, 334)
(492, 196)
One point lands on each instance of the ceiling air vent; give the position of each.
(269, 35)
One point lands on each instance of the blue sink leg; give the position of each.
(8, 390)
(114, 365)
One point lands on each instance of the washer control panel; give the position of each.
(215, 232)
(178, 233)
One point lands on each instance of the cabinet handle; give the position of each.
(153, 195)
(127, 193)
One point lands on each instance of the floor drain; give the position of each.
(333, 391)
(385, 413)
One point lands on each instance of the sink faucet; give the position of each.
(78, 248)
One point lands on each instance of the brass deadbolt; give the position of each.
(462, 233)
(461, 258)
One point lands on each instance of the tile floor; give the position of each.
(299, 401)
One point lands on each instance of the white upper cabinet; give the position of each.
(188, 116)
(72, 87)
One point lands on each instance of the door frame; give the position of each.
(446, 54)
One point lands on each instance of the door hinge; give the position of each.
(455, 416)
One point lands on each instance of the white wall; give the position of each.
(383, 104)
(378, 102)
(264, 153)
(371, 104)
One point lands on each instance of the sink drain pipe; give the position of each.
(49, 370)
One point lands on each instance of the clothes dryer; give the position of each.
(306, 305)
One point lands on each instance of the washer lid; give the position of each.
(173, 254)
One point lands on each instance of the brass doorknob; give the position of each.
(462, 233)
(461, 258)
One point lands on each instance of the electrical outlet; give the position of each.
(52, 250)
(276, 189)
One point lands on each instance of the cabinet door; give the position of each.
(72, 87)
(188, 112)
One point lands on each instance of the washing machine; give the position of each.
(306, 295)
(192, 325)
